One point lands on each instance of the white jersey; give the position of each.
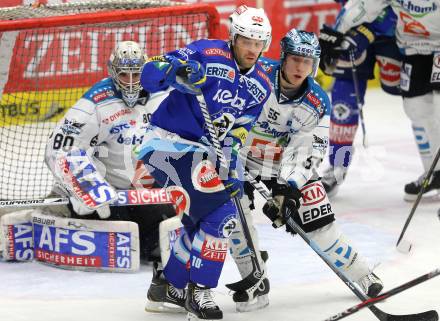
(290, 138)
(418, 25)
(101, 124)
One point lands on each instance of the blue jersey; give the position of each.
(234, 99)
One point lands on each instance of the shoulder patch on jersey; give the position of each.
(264, 76)
(316, 102)
(217, 52)
(72, 127)
(100, 96)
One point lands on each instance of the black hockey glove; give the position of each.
(330, 41)
(288, 199)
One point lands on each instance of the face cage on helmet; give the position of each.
(130, 91)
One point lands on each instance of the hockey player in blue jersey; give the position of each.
(178, 151)
(370, 42)
(284, 149)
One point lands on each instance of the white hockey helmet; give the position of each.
(250, 23)
(125, 67)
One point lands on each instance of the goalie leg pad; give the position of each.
(86, 245)
(340, 250)
(16, 243)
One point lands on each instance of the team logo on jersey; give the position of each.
(223, 124)
(228, 226)
(205, 178)
(72, 127)
(180, 198)
(221, 71)
(341, 112)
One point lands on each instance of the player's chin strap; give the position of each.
(426, 316)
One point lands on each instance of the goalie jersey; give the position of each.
(102, 125)
(290, 137)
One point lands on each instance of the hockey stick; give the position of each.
(382, 316)
(256, 276)
(358, 98)
(125, 198)
(405, 247)
(384, 296)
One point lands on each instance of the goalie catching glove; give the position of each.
(287, 202)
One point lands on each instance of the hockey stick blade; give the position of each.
(429, 315)
(251, 280)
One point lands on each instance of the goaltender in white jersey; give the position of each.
(90, 151)
(284, 149)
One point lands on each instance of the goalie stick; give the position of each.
(405, 247)
(385, 295)
(255, 278)
(125, 198)
(382, 316)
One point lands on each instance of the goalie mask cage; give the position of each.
(50, 55)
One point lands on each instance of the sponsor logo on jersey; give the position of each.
(143, 196)
(313, 194)
(99, 96)
(133, 140)
(20, 245)
(254, 87)
(116, 129)
(412, 26)
(217, 52)
(214, 249)
(416, 10)
(205, 178)
(267, 69)
(180, 199)
(342, 134)
(221, 71)
(71, 127)
(389, 70)
(68, 247)
(265, 149)
(224, 96)
(116, 115)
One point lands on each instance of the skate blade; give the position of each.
(192, 317)
(429, 197)
(163, 307)
(257, 303)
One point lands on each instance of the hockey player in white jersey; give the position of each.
(418, 37)
(284, 150)
(95, 139)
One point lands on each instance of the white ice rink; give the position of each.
(369, 208)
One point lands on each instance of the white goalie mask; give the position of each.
(125, 67)
(250, 23)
